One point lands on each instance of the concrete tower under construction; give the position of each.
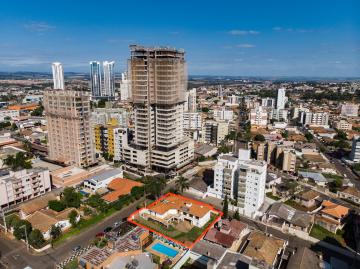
(158, 79)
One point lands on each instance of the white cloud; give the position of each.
(243, 32)
(38, 26)
(245, 46)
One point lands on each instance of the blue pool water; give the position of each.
(170, 252)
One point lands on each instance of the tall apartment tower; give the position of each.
(124, 87)
(109, 79)
(69, 132)
(95, 79)
(158, 80)
(58, 76)
(281, 99)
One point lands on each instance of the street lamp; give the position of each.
(26, 237)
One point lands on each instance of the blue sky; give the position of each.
(256, 38)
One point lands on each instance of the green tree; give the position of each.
(38, 112)
(71, 198)
(341, 135)
(182, 184)
(237, 215)
(154, 185)
(36, 238)
(56, 205)
(259, 137)
(285, 134)
(19, 229)
(205, 109)
(12, 221)
(226, 208)
(55, 232)
(335, 185)
(101, 104)
(73, 218)
(309, 137)
(137, 192)
(20, 161)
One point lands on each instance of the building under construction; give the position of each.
(158, 81)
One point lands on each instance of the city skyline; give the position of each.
(235, 39)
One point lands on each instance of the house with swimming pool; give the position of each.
(177, 218)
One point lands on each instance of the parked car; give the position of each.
(101, 234)
(107, 229)
(77, 248)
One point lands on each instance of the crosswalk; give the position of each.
(73, 256)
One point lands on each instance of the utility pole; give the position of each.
(26, 237)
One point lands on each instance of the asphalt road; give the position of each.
(15, 255)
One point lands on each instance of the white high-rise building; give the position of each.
(109, 79)
(125, 93)
(314, 118)
(258, 116)
(268, 102)
(281, 98)
(95, 79)
(355, 150)
(223, 114)
(58, 76)
(158, 82)
(192, 100)
(240, 179)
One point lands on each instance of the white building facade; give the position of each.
(19, 186)
(109, 79)
(58, 76)
(240, 179)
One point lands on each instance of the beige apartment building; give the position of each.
(19, 186)
(158, 83)
(68, 122)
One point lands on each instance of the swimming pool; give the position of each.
(170, 252)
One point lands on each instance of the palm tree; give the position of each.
(182, 184)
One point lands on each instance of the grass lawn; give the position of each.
(171, 232)
(271, 196)
(322, 234)
(331, 176)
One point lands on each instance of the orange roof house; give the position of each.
(23, 107)
(120, 186)
(334, 210)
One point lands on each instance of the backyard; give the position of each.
(182, 236)
(322, 234)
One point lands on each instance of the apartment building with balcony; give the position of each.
(158, 83)
(69, 131)
(19, 186)
(240, 179)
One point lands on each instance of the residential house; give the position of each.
(350, 193)
(263, 248)
(101, 179)
(173, 207)
(308, 198)
(288, 218)
(331, 216)
(119, 187)
(228, 234)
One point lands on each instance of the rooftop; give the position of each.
(208, 249)
(333, 209)
(180, 203)
(120, 186)
(304, 258)
(37, 203)
(103, 175)
(290, 215)
(263, 248)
